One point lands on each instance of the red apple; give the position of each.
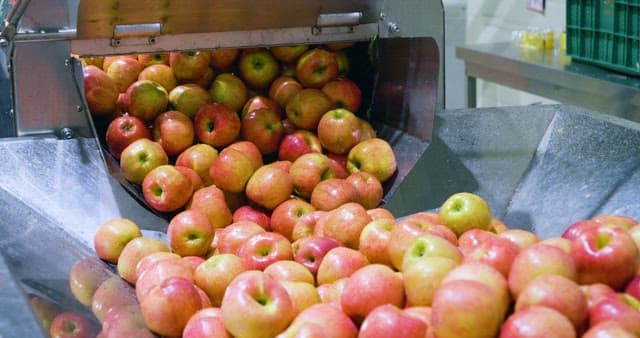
(633, 287)
(316, 67)
(537, 321)
(198, 157)
(230, 90)
(206, 323)
(331, 193)
(215, 274)
(338, 130)
(222, 59)
(623, 221)
(159, 271)
(369, 188)
(522, 238)
(573, 230)
(149, 260)
(189, 66)
(166, 189)
(306, 107)
(374, 156)
(230, 238)
(140, 157)
(608, 329)
(111, 237)
(332, 292)
(216, 124)
(190, 233)
(212, 202)
(259, 102)
(427, 245)
(620, 307)
(133, 252)
(283, 88)
(595, 292)
(288, 54)
(231, 170)
(310, 251)
(338, 263)
(374, 240)
(168, 307)
(174, 131)
(264, 128)
(124, 71)
(258, 67)
(308, 170)
(320, 315)
(303, 295)
(306, 225)
(263, 249)
(298, 143)
(44, 309)
(380, 213)
(366, 130)
(109, 59)
(290, 270)
(148, 59)
(402, 235)
(254, 214)
(344, 93)
(390, 321)
(287, 213)
(256, 305)
(113, 293)
(72, 324)
(188, 98)
(100, 91)
(125, 321)
(471, 239)
(269, 186)
(146, 99)
(559, 242)
(463, 211)
(605, 254)
(345, 223)
(160, 73)
(496, 251)
(122, 131)
(422, 277)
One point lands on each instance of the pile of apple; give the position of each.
(352, 272)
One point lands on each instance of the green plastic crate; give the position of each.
(605, 33)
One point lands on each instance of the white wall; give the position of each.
(495, 21)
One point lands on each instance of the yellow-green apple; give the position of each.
(374, 156)
(174, 131)
(595, 292)
(308, 170)
(133, 252)
(339, 163)
(369, 287)
(256, 305)
(369, 188)
(109, 59)
(258, 102)
(496, 251)
(344, 93)
(190, 233)
(223, 58)
(634, 231)
(124, 71)
(422, 277)
(608, 328)
(331, 193)
(339, 130)
(264, 248)
(212, 202)
(287, 213)
(344, 64)
(72, 324)
(167, 307)
(289, 53)
(188, 98)
(463, 211)
(166, 188)
(249, 149)
(283, 88)
(310, 251)
(231, 170)
(366, 130)
(215, 274)
(122, 131)
(269, 186)
(339, 262)
(379, 213)
(574, 229)
(199, 157)
(85, 276)
(559, 293)
(374, 240)
(320, 315)
(92, 61)
(149, 260)
(626, 222)
(189, 66)
(216, 124)
(465, 308)
(158, 272)
(537, 321)
(148, 59)
(305, 226)
(389, 320)
(112, 236)
(403, 234)
(264, 128)
(522, 238)
(605, 254)
(146, 99)
(298, 143)
(316, 67)
(254, 214)
(231, 237)
(303, 295)
(113, 293)
(160, 73)
(619, 307)
(558, 241)
(332, 292)
(258, 67)
(345, 223)
(100, 91)
(229, 89)
(537, 260)
(427, 245)
(44, 309)
(306, 107)
(290, 270)
(206, 323)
